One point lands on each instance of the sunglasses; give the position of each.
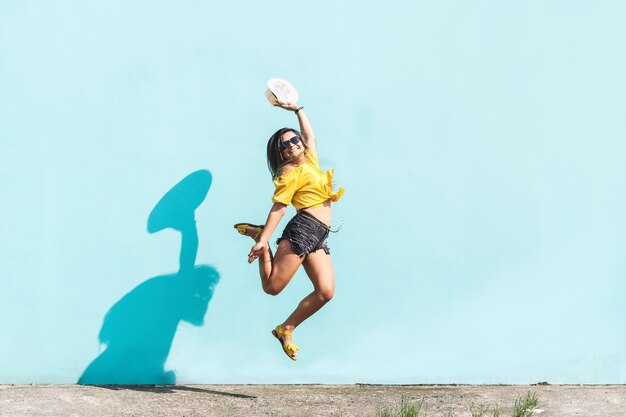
(287, 143)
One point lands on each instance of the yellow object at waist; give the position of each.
(306, 186)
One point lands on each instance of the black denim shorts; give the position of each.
(306, 234)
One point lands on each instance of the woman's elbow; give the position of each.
(279, 208)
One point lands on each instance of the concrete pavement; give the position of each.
(304, 400)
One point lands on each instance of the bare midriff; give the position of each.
(322, 213)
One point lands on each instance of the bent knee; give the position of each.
(271, 290)
(326, 294)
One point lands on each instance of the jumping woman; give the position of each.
(292, 161)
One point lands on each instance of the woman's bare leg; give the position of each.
(276, 270)
(319, 268)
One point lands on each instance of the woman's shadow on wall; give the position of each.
(139, 329)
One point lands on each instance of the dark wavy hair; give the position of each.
(275, 159)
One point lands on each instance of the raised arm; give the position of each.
(305, 125)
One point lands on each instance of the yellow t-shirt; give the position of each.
(306, 185)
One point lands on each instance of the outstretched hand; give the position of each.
(287, 106)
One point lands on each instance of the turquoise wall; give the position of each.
(480, 143)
